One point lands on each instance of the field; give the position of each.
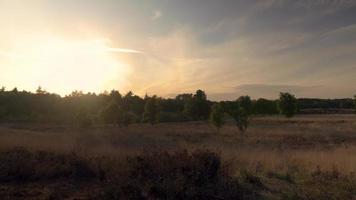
(306, 157)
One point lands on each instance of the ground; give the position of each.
(288, 156)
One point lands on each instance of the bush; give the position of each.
(21, 165)
(179, 175)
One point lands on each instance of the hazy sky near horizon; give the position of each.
(225, 47)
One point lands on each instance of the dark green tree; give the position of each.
(217, 116)
(287, 104)
(240, 115)
(151, 110)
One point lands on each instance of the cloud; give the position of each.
(122, 50)
(156, 15)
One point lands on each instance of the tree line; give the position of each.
(122, 109)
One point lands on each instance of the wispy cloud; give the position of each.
(123, 50)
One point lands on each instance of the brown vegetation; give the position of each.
(307, 157)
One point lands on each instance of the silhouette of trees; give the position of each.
(287, 104)
(217, 116)
(114, 108)
(151, 110)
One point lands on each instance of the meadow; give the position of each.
(305, 157)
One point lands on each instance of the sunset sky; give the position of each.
(226, 47)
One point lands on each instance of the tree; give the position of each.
(287, 104)
(151, 110)
(197, 107)
(40, 91)
(240, 115)
(217, 116)
(245, 104)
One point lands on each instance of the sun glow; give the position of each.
(63, 65)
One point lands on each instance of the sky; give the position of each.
(226, 47)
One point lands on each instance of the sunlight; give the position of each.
(65, 65)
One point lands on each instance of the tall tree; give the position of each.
(287, 104)
(217, 116)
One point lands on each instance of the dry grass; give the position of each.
(327, 141)
(278, 147)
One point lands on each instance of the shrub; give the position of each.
(21, 165)
(183, 175)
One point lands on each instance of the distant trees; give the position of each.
(124, 109)
(151, 110)
(217, 116)
(287, 104)
(265, 107)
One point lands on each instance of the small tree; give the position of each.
(240, 115)
(151, 110)
(217, 116)
(287, 104)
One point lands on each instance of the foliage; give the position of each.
(151, 110)
(197, 107)
(245, 104)
(217, 116)
(83, 119)
(44, 107)
(240, 110)
(114, 114)
(265, 107)
(287, 104)
(21, 165)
